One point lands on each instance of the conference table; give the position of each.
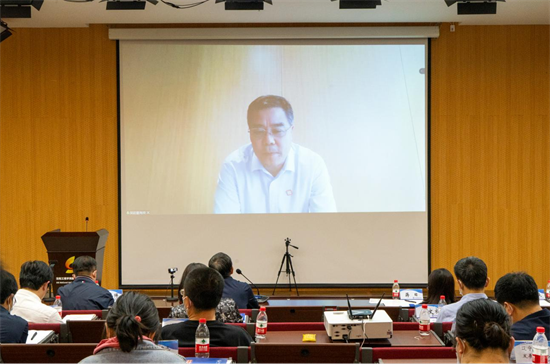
(307, 309)
(310, 309)
(396, 361)
(401, 338)
(319, 302)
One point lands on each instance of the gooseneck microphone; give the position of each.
(253, 285)
(87, 219)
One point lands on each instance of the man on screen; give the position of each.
(272, 174)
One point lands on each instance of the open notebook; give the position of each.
(39, 336)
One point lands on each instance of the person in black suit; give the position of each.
(519, 294)
(240, 292)
(13, 329)
(83, 293)
(203, 289)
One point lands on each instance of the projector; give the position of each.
(338, 324)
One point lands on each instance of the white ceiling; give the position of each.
(60, 13)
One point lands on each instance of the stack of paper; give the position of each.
(80, 317)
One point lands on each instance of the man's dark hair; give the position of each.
(484, 324)
(471, 271)
(268, 102)
(222, 263)
(8, 285)
(204, 287)
(190, 267)
(34, 274)
(130, 330)
(84, 264)
(517, 288)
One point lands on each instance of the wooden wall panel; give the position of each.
(58, 140)
(490, 148)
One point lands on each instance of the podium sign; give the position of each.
(64, 247)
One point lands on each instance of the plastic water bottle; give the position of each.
(202, 340)
(395, 290)
(57, 305)
(539, 351)
(261, 324)
(424, 326)
(441, 303)
(548, 291)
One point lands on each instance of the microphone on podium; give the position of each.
(87, 219)
(259, 297)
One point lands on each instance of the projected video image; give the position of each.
(246, 129)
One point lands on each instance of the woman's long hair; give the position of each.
(440, 282)
(133, 316)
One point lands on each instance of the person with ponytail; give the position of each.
(132, 328)
(483, 333)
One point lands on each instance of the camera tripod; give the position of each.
(289, 268)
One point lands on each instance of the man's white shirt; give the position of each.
(302, 185)
(29, 306)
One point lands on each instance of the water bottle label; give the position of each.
(424, 327)
(261, 328)
(202, 345)
(542, 359)
(548, 295)
(395, 294)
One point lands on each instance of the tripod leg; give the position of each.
(293, 276)
(279, 274)
(288, 270)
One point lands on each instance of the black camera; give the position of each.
(172, 270)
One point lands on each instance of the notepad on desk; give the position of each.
(393, 303)
(39, 336)
(80, 317)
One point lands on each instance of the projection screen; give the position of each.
(343, 174)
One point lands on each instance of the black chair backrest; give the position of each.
(86, 331)
(295, 314)
(305, 353)
(163, 312)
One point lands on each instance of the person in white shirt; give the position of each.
(471, 275)
(34, 279)
(272, 174)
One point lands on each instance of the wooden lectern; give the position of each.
(64, 247)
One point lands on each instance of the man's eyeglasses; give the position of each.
(259, 133)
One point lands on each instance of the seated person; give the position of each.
(471, 275)
(132, 328)
(240, 292)
(13, 329)
(519, 295)
(83, 293)
(440, 283)
(226, 311)
(483, 333)
(203, 291)
(34, 279)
